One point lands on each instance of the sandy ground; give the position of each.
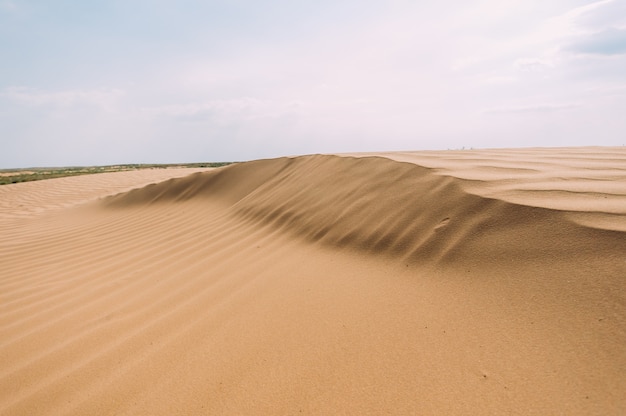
(22, 200)
(459, 282)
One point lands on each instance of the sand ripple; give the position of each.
(320, 285)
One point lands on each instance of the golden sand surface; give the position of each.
(24, 199)
(430, 283)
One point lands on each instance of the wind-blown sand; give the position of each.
(459, 282)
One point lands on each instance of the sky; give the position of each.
(164, 81)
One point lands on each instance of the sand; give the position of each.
(458, 282)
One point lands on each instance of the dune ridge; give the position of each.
(553, 178)
(313, 285)
(381, 206)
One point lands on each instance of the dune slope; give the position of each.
(384, 207)
(315, 285)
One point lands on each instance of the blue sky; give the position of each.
(87, 82)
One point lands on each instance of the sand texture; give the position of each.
(415, 283)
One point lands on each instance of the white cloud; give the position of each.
(607, 42)
(463, 63)
(601, 15)
(569, 22)
(596, 27)
(102, 98)
(228, 110)
(542, 40)
(532, 65)
(499, 80)
(536, 108)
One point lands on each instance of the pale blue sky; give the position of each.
(125, 81)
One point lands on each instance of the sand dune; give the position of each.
(477, 282)
(24, 199)
(584, 179)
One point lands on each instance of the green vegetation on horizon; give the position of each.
(9, 176)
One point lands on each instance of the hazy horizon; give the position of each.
(229, 80)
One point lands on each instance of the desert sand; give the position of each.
(411, 283)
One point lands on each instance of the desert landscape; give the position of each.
(410, 283)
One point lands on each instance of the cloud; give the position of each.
(464, 62)
(563, 50)
(595, 29)
(538, 46)
(607, 42)
(225, 111)
(102, 98)
(573, 22)
(551, 35)
(537, 108)
(531, 65)
(611, 14)
(554, 30)
(499, 80)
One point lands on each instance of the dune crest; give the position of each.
(587, 181)
(385, 207)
